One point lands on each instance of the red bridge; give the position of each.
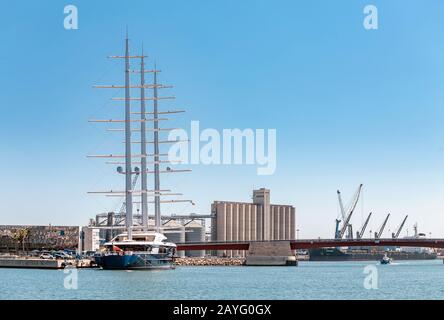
(316, 243)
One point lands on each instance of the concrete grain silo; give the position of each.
(257, 221)
(175, 232)
(194, 232)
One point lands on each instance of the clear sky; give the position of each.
(349, 105)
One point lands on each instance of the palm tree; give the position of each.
(20, 237)
(15, 237)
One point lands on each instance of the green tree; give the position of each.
(20, 236)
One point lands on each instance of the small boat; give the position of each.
(146, 250)
(386, 260)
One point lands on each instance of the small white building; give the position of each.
(90, 239)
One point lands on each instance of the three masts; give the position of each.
(143, 231)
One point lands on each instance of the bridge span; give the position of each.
(316, 243)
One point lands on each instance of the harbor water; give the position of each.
(310, 280)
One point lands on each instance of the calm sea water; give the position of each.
(310, 280)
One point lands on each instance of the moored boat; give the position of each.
(146, 250)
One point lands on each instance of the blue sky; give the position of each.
(350, 105)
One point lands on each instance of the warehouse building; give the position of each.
(260, 220)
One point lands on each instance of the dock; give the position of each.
(37, 263)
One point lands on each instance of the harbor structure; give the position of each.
(344, 229)
(256, 221)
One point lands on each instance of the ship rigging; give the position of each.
(140, 247)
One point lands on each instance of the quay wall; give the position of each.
(36, 263)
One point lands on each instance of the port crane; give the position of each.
(133, 185)
(341, 206)
(346, 226)
(360, 234)
(381, 230)
(396, 235)
(344, 217)
(121, 212)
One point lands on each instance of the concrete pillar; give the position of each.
(293, 223)
(272, 222)
(253, 222)
(277, 223)
(247, 216)
(259, 223)
(235, 225)
(214, 221)
(241, 215)
(221, 224)
(229, 226)
(247, 222)
(282, 223)
(213, 227)
(287, 223)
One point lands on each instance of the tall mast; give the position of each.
(156, 155)
(128, 169)
(144, 183)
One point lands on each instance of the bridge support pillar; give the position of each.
(276, 253)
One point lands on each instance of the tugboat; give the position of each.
(146, 250)
(386, 259)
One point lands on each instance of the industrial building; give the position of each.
(194, 232)
(260, 220)
(89, 239)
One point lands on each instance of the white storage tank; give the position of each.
(175, 232)
(194, 232)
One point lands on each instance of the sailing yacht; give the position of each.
(146, 250)
(143, 246)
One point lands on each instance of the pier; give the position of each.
(37, 263)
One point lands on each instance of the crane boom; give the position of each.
(341, 205)
(337, 228)
(350, 212)
(396, 235)
(381, 230)
(338, 221)
(361, 233)
(136, 176)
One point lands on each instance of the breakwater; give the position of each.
(209, 261)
